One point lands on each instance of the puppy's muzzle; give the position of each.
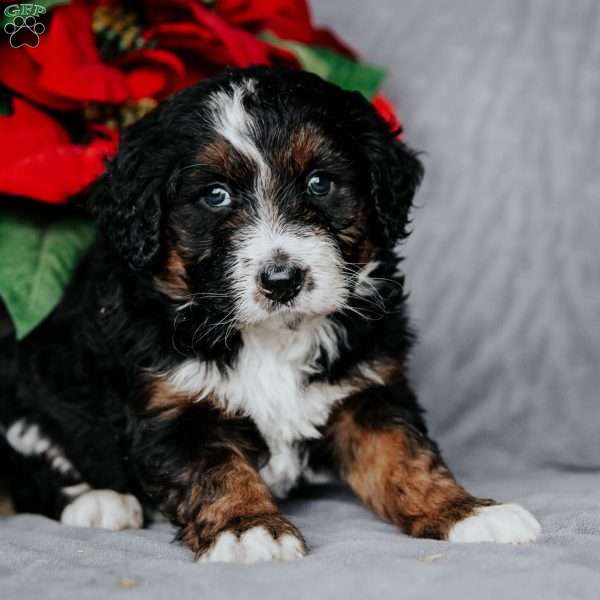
(281, 280)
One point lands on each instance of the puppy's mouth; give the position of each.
(283, 288)
(288, 277)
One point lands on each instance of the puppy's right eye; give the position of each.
(319, 184)
(217, 196)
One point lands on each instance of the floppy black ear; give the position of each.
(127, 199)
(394, 170)
(396, 173)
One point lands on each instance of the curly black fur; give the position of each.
(82, 376)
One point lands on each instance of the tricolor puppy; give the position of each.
(239, 326)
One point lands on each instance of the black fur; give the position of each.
(81, 375)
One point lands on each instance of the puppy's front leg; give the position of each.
(197, 467)
(384, 454)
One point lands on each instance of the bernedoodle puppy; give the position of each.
(238, 327)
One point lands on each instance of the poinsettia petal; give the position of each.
(289, 19)
(70, 64)
(388, 113)
(191, 38)
(151, 72)
(20, 73)
(242, 47)
(28, 129)
(35, 176)
(146, 82)
(216, 42)
(195, 70)
(184, 31)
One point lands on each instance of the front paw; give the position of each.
(262, 539)
(503, 523)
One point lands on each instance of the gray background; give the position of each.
(504, 269)
(504, 263)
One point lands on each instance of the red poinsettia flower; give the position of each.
(386, 110)
(207, 39)
(181, 42)
(65, 70)
(287, 19)
(41, 161)
(151, 73)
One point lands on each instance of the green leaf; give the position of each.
(333, 67)
(37, 261)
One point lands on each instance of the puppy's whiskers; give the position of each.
(212, 326)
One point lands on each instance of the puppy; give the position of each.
(239, 326)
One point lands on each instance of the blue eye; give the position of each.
(217, 196)
(319, 184)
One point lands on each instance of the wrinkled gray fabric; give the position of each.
(504, 268)
(354, 556)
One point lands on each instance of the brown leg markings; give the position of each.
(399, 473)
(229, 497)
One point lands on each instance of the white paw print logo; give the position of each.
(24, 31)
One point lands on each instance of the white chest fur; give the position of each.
(269, 384)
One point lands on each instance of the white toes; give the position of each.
(254, 545)
(225, 549)
(105, 509)
(503, 523)
(291, 547)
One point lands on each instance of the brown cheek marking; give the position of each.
(402, 481)
(242, 501)
(365, 251)
(356, 238)
(172, 280)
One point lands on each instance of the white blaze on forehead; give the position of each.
(234, 123)
(269, 233)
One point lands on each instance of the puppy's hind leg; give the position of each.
(106, 509)
(43, 480)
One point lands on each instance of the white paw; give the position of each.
(503, 523)
(252, 546)
(105, 509)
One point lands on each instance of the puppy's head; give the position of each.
(258, 194)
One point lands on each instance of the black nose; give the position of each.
(281, 282)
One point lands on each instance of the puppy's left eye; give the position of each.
(319, 184)
(216, 196)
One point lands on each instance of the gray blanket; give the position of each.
(505, 276)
